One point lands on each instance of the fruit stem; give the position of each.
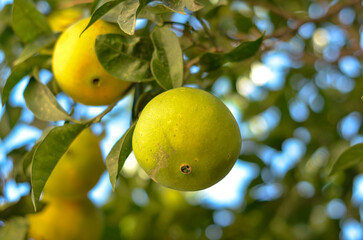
(109, 108)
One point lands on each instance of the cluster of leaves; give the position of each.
(156, 59)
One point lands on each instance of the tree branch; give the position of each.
(109, 108)
(286, 32)
(271, 8)
(206, 30)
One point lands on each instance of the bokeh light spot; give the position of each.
(336, 209)
(346, 16)
(351, 230)
(223, 218)
(305, 189)
(213, 232)
(140, 197)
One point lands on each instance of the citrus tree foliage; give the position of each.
(290, 70)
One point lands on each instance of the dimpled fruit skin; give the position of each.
(186, 126)
(77, 69)
(63, 220)
(78, 171)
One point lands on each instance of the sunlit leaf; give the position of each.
(32, 48)
(118, 155)
(193, 5)
(167, 61)
(349, 158)
(15, 228)
(245, 50)
(147, 13)
(157, 8)
(100, 11)
(127, 17)
(118, 61)
(20, 71)
(47, 154)
(28, 23)
(41, 101)
(175, 5)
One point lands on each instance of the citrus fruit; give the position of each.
(77, 69)
(186, 139)
(78, 170)
(61, 19)
(66, 220)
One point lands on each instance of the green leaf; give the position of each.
(175, 5)
(167, 60)
(242, 23)
(47, 154)
(349, 158)
(16, 155)
(100, 11)
(157, 8)
(193, 5)
(115, 57)
(148, 13)
(96, 4)
(40, 100)
(118, 155)
(15, 228)
(21, 207)
(127, 17)
(32, 48)
(20, 71)
(9, 119)
(28, 158)
(28, 23)
(212, 61)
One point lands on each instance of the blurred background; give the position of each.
(298, 104)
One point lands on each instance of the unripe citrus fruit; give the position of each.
(186, 139)
(78, 171)
(66, 220)
(77, 69)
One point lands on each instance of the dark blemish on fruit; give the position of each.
(96, 82)
(185, 169)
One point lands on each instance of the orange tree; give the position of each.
(291, 71)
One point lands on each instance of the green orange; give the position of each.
(186, 139)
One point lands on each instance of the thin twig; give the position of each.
(271, 8)
(109, 108)
(287, 32)
(206, 30)
(192, 62)
(186, 25)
